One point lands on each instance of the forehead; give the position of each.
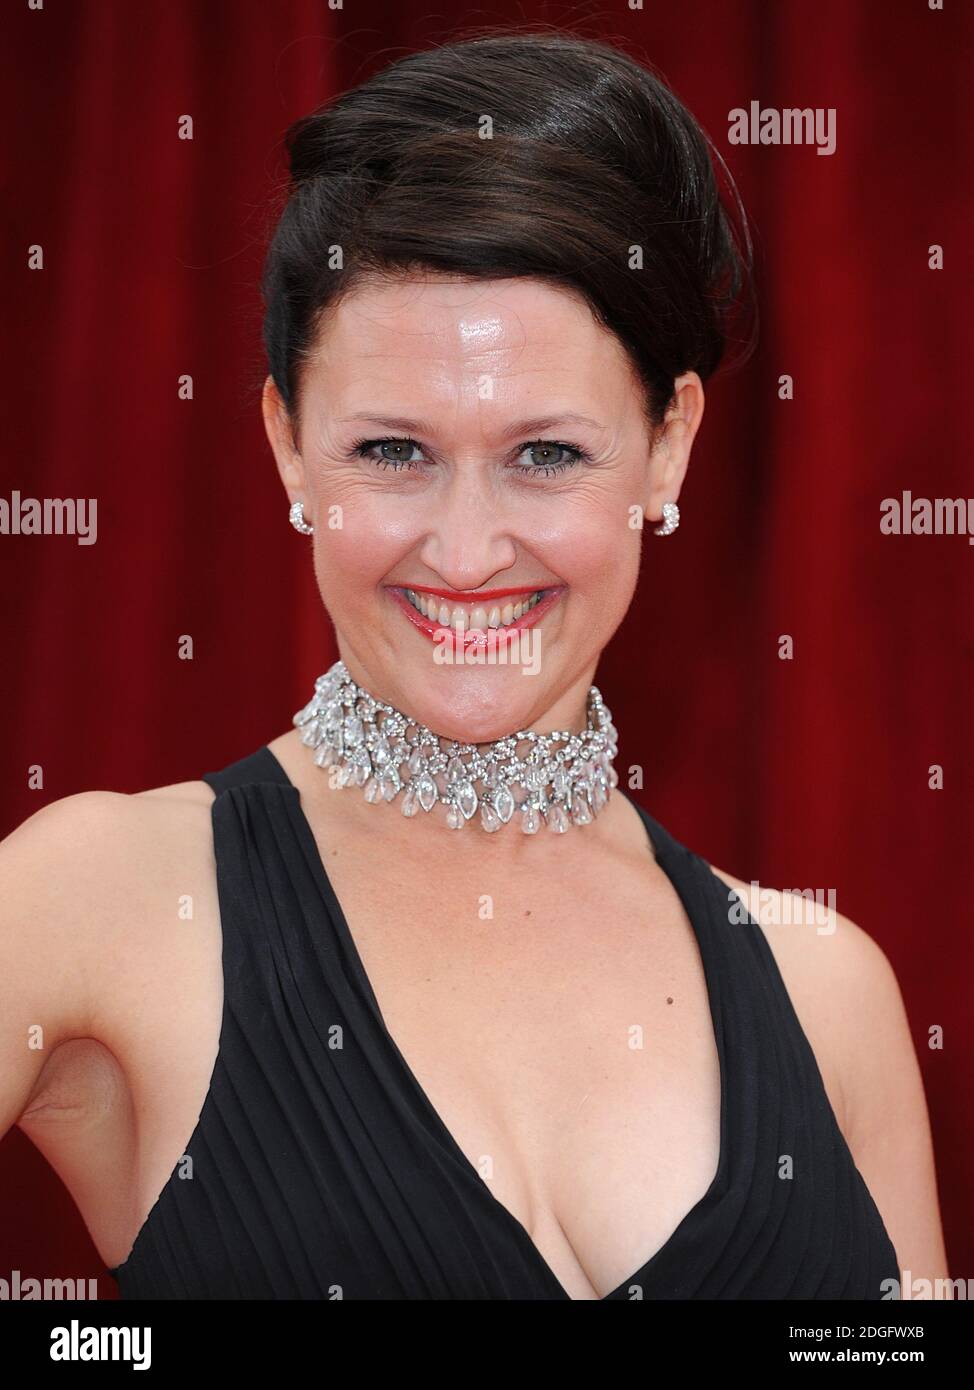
(444, 339)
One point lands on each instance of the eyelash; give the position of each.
(361, 449)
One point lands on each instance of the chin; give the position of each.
(471, 705)
(480, 706)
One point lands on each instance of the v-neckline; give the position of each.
(662, 854)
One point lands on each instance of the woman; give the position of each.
(303, 1042)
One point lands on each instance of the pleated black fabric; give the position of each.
(321, 1170)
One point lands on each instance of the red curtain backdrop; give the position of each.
(810, 772)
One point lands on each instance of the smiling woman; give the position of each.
(501, 276)
(452, 1055)
(471, 503)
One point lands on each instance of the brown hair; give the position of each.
(589, 155)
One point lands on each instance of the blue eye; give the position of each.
(548, 466)
(363, 448)
(400, 448)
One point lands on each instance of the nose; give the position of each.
(469, 539)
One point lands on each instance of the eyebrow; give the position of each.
(520, 427)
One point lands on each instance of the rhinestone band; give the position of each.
(386, 753)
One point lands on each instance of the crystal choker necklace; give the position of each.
(386, 753)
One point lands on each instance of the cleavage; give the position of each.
(566, 1046)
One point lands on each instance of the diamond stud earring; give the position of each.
(671, 520)
(296, 518)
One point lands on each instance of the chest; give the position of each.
(559, 1024)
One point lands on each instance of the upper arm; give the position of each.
(889, 1127)
(55, 871)
(849, 1002)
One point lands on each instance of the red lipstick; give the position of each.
(490, 638)
(473, 596)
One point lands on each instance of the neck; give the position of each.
(533, 781)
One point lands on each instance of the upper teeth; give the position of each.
(463, 615)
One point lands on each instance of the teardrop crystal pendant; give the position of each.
(353, 732)
(426, 791)
(389, 782)
(312, 734)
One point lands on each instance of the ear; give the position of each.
(670, 456)
(280, 434)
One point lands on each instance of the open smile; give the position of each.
(488, 618)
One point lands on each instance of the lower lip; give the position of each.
(490, 638)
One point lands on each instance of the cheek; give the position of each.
(351, 558)
(590, 545)
(363, 525)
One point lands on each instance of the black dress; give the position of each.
(322, 1171)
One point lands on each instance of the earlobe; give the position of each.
(667, 470)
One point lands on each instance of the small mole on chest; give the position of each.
(669, 1001)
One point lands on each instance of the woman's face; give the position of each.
(460, 438)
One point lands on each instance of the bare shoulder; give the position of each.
(837, 976)
(84, 887)
(196, 793)
(70, 820)
(851, 1008)
(82, 881)
(819, 952)
(96, 838)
